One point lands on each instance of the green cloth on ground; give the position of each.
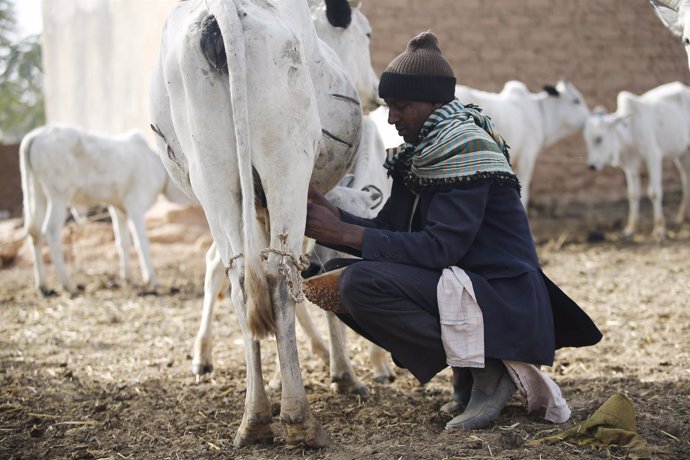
(613, 424)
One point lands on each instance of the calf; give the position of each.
(644, 130)
(63, 166)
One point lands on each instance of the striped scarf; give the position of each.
(458, 145)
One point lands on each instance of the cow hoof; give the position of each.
(47, 292)
(200, 369)
(256, 434)
(310, 433)
(384, 379)
(347, 386)
(147, 292)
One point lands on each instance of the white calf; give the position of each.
(529, 122)
(675, 14)
(246, 98)
(644, 129)
(63, 166)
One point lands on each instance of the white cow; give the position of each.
(250, 106)
(644, 130)
(529, 122)
(351, 44)
(675, 14)
(63, 166)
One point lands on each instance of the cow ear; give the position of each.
(669, 18)
(339, 13)
(551, 90)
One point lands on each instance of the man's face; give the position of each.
(409, 116)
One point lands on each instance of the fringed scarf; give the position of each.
(458, 145)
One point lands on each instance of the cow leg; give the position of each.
(34, 219)
(141, 241)
(683, 165)
(123, 242)
(655, 193)
(52, 229)
(39, 266)
(287, 207)
(343, 378)
(632, 178)
(256, 419)
(301, 425)
(202, 361)
(318, 347)
(379, 363)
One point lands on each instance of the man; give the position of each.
(453, 223)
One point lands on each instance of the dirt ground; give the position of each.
(107, 374)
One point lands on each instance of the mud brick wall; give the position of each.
(602, 46)
(10, 181)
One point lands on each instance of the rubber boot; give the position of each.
(462, 389)
(492, 388)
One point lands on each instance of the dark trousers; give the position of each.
(394, 306)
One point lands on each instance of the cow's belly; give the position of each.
(97, 194)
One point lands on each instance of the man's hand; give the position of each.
(325, 226)
(314, 197)
(322, 224)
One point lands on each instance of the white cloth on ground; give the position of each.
(462, 333)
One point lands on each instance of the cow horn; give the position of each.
(673, 4)
(339, 13)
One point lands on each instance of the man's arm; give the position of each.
(325, 226)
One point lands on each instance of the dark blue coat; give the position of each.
(482, 229)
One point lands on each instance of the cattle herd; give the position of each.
(251, 103)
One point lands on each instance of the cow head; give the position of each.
(675, 14)
(568, 107)
(345, 29)
(603, 143)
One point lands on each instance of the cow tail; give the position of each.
(31, 191)
(260, 315)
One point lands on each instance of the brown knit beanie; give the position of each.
(421, 73)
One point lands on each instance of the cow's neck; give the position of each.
(554, 130)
